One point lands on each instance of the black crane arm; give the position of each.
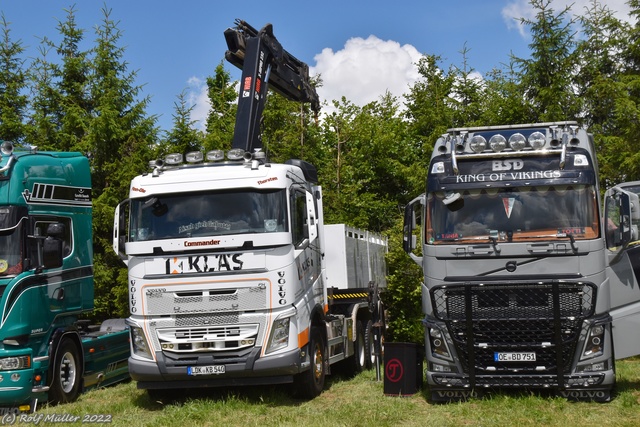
(264, 63)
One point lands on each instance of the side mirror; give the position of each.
(412, 217)
(120, 229)
(311, 229)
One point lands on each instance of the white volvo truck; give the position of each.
(234, 278)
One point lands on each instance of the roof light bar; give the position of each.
(173, 159)
(215, 155)
(498, 143)
(517, 142)
(478, 144)
(194, 157)
(537, 140)
(235, 154)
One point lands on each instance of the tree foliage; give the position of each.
(13, 102)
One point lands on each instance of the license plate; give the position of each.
(206, 370)
(514, 356)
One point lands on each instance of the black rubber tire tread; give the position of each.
(60, 392)
(310, 383)
(369, 345)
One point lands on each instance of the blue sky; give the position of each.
(360, 48)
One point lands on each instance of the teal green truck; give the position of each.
(47, 353)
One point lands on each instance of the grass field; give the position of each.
(358, 401)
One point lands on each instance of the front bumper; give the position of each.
(594, 386)
(250, 370)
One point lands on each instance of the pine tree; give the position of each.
(547, 76)
(72, 84)
(183, 137)
(62, 106)
(13, 102)
(504, 101)
(601, 88)
(223, 94)
(467, 94)
(430, 107)
(120, 137)
(42, 127)
(627, 109)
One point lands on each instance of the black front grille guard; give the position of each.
(545, 317)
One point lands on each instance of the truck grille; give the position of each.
(167, 301)
(221, 338)
(545, 318)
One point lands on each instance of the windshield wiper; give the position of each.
(573, 242)
(494, 243)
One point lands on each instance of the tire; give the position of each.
(358, 361)
(310, 383)
(66, 373)
(369, 345)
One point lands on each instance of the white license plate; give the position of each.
(206, 370)
(514, 356)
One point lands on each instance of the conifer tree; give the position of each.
(600, 87)
(223, 94)
(13, 102)
(183, 136)
(546, 77)
(120, 138)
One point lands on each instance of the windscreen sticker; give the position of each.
(508, 203)
(207, 225)
(573, 231)
(448, 236)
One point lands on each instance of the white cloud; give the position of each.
(365, 69)
(362, 72)
(517, 9)
(198, 97)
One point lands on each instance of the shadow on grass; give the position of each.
(271, 395)
(489, 394)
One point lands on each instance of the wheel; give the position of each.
(369, 345)
(310, 383)
(66, 373)
(358, 361)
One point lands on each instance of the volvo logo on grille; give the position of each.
(511, 266)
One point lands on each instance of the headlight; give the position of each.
(439, 346)
(279, 335)
(594, 345)
(139, 342)
(12, 363)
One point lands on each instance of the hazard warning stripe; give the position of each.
(342, 296)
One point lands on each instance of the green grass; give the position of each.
(359, 401)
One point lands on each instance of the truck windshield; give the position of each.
(10, 251)
(512, 214)
(210, 213)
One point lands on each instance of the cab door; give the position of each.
(621, 224)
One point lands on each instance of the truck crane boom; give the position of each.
(264, 63)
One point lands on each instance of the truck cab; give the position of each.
(46, 282)
(518, 288)
(232, 273)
